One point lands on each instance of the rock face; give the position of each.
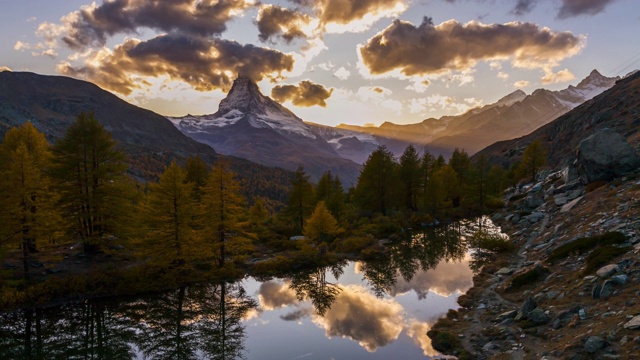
(605, 155)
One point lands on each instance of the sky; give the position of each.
(359, 62)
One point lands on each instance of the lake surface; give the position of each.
(354, 310)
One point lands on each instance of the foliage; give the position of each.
(321, 226)
(409, 176)
(330, 191)
(528, 277)
(534, 157)
(89, 174)
(168, 215)
(377, 182)
(27, 212)
(353, 244)
(301, 199)
(602, 256)
(582, 245)
(197, 172)
(222, 207)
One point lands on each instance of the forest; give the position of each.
(75, 222)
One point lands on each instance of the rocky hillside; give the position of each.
(617, 108)
(571, 291)
(51, 103)
(251, 125)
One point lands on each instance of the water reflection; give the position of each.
(350, 310)
(186, 323)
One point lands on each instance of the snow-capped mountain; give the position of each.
(251, 125)
(514, 115)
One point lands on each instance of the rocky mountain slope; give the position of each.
(571, 289)
(250, 125)
(514, 115)
(617, 108)
(51, 103)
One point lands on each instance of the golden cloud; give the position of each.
(358, 315)
(204, 63)
(273, 295)
(445, 279)
(305, 94)
(452, 46)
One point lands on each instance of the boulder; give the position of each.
(633, 323)
(607, 289)
(593, 344)
(538, 316)
(607, 270)
(533, 201)
(569, 173)
(605, 155)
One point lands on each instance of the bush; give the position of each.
(602, 256)
(529, 277)
(353, 244)
(583, 245)
(444, 342)
(491, 242)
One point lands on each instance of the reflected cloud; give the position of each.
(358, 315)
(417, 331)
(297, 314)
(445, 279)
(274, 294)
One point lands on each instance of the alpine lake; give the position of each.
(378, 309)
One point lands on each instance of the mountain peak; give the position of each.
(244, 96)
(596, 79)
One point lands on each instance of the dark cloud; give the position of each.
(204, 63)
(274, 295)
(571, 8)
(523, 7)
(305, 94)
(430, 49)
(297, 315)
(358, 315)
(93, 25)
(275, 21)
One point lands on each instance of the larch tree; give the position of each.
(197, 173)
(330, 191)
(168, 215)
(27, 213)
(89, 174)
(222, 207)
(321, 226)
(301, 198)
(410, 173)
(377, 182)
(534, 157)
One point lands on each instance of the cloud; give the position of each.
(305, 94)
(559, 77)
(297, 314)
(452, 46)
(273, 295)
(445, 279)
(523, 7)
(19, 45)
(418, 332)
(93, 25)
(339, 16)
(204, 63)
(572, 8)
(358, 315)
(437, 103)
(521, 83)
(342, 73)
(373, 93)
(275, 21)
(5, 68)
(503, 75)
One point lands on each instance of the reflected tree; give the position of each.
(421, 251)
(220, 329)
(313, 285)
